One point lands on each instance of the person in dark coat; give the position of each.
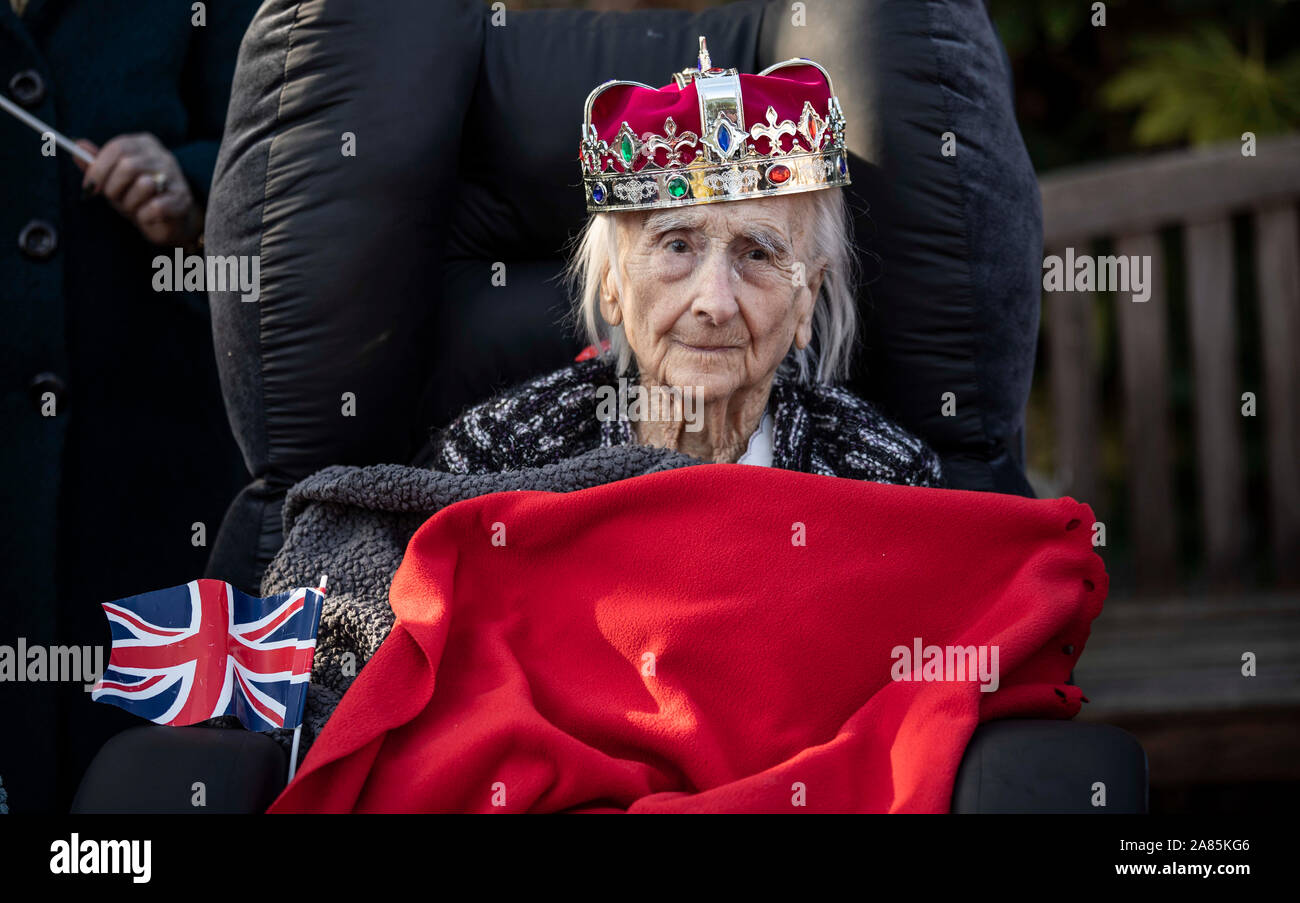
(118, 462)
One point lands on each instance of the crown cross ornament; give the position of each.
(670, 142)
(686, 143)
(773, 132)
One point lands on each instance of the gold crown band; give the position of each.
(659, 187)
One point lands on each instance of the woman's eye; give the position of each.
(677, 246)
(758, 254)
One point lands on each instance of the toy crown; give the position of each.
(688, 142)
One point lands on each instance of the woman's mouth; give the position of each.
(708, 349)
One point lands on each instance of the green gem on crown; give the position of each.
(677, 187)
(626, 150)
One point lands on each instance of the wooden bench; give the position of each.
(1165, 658)
(1129, 203)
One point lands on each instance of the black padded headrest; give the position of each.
(377, 269)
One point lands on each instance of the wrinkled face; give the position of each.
(715, 295)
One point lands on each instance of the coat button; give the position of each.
(47, 382)
(28, 88)
(38, 240)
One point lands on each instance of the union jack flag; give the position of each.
(189, 653)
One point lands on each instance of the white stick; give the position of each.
(60, 139)
(293, 754)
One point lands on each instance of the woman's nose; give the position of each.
(715, 292)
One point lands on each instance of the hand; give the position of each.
(144, 183)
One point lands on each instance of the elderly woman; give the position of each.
(716, 272)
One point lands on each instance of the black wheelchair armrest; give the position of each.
(178, 770)
(1009, 766)
(1051, 766)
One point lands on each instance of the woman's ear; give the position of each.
(609, 306)
(807, 302)
(803, 333)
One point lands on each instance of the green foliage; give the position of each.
(1026, 25)
(1200, 87)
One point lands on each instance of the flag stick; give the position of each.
(60, 139)
(293, 754)
(297, 731)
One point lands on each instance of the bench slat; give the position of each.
(1216, 399)
(1144, 365)
(1277, 263)
(1146, 193)
(1075, 421)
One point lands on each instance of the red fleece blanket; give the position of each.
(718, 638)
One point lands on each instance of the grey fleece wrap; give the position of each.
(354, 523)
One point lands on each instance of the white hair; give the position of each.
(829, 354)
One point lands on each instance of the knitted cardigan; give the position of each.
(817, 428)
